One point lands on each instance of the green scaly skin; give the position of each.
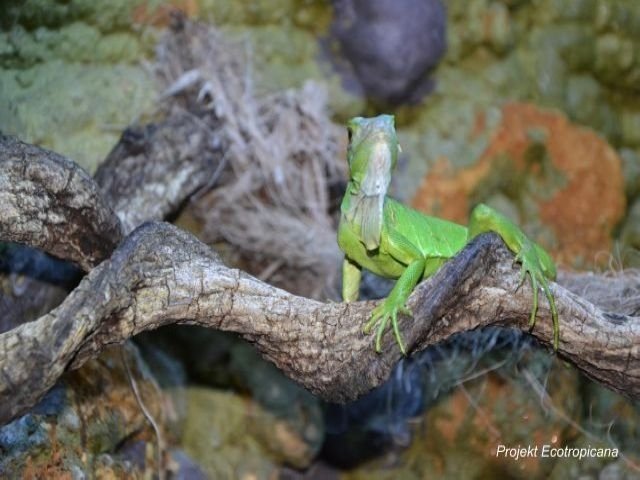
(395, 241)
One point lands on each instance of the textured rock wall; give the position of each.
(577, 57)
(70, 73)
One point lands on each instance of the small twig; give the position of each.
(160, 444)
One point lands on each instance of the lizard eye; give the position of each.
(350, 133)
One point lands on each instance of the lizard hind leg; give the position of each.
(531, 266)
(534, 260)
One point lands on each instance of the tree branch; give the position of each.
(49, 202)
(154, 168)
(161, 275)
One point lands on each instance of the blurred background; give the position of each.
(531, 106)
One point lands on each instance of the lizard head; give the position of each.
(372, 155)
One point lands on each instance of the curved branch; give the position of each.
(154, 168)
(162, 275)
(49, 202)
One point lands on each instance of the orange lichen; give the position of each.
(581, 211)
(479, 125)
(477, 423)
(445, 191)
(160, 16)
(51, 467)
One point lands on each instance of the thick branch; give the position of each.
(162, 275)
(154, 168)
(49, 202)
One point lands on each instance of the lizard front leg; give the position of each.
(351, 275)
(404, 251)
(394, 303)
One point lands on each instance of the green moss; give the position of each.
(630, 236)
(76, 110)
(562, 54)
(621, 16)
(106, 16)
(70, 78)
(579, 57)
(219, 434)
(286, 57)
(77, 41)
(631, 172)
(58, 90)
(310, 15)
(120, 47)
(573, 11)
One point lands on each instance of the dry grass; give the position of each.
(613, 291)
(282, 154)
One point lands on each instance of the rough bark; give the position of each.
(49, 202)
(154, 168)
(161, 275)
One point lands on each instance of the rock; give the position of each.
(565, 181)
(630, 235)
(170, 375)
(391, 44)
(278, 394)
(458, 436)
(70, 74)
(223, 360)
(317, 471)
(234, 437)
(77, 428)
(185, 468)
(140, 457)
(32, 283)
(612, 419)
(601, 466)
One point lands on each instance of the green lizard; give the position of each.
(395, 241)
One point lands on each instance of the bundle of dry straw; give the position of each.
(283, 154)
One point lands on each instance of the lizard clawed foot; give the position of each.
(380, 316)
(532, 267)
